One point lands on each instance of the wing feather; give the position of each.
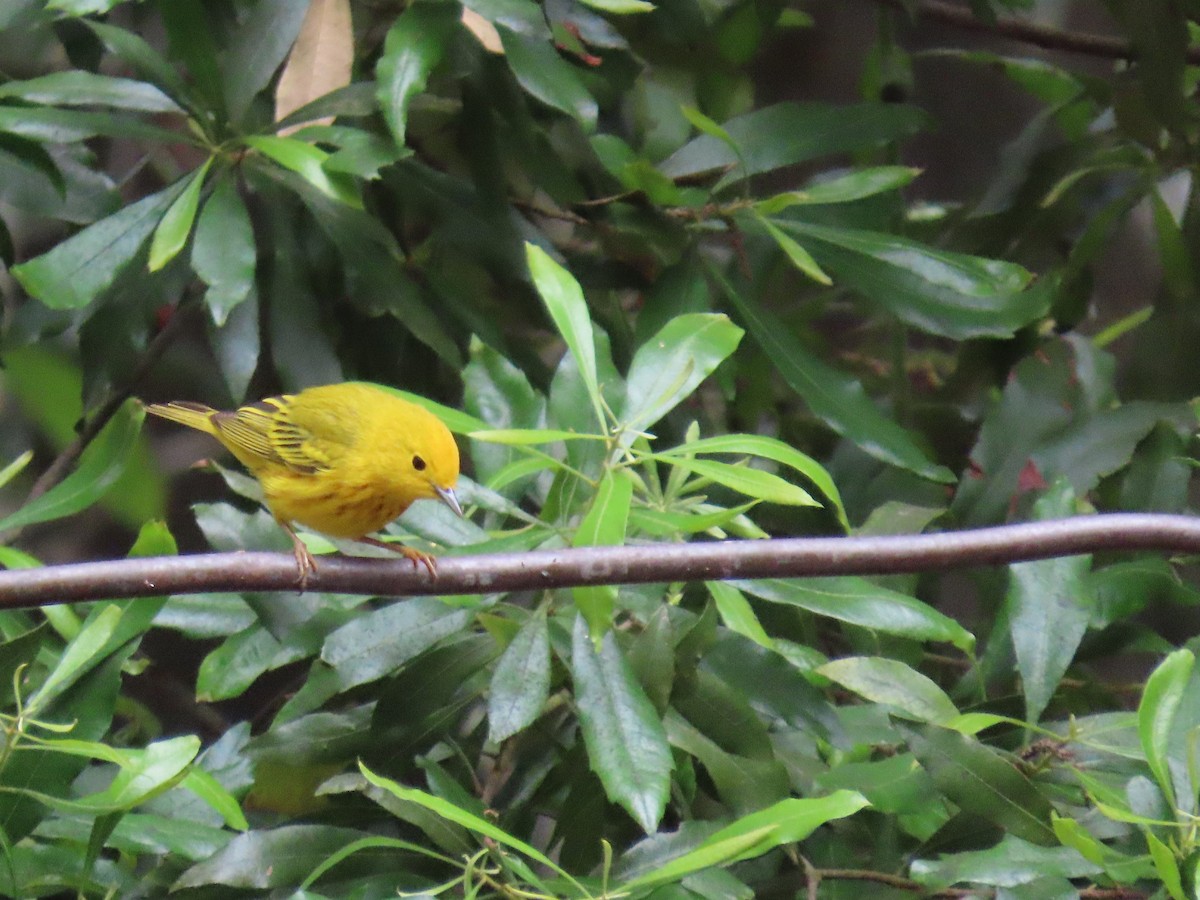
(278, 432)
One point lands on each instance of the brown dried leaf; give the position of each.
(320, 60)
(485, 32)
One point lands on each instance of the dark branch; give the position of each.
(1044, 36)
(779, 558)
(58, 469)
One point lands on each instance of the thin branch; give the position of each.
(1044, 36)
(502, 572)
(58, 469)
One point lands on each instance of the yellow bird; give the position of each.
(341, 459)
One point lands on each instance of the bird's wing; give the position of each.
(276, 431)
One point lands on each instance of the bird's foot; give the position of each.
(417, 557)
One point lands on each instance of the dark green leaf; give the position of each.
(836, 398)
(79, 269)
(1048, 608)
(858, 601)
(669, 367)
(1058, 415)
(790, 133)
(626, 743)
(546, 76)
(99, 467)
(259, 44)
(891, 682)
(604, 525)
(414, 46)
(981, 781)
(857, 185)
(1010, 864)
(145, 61)
(64, 126)
(223, 252)
(354, 100)
(78, 88)
(943, 293)
(521, 681)
(378, 643)
(269, 858)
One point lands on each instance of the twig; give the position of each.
(1044, 36)
(58, 469)
(502, 572)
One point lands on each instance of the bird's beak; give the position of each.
(447, 496)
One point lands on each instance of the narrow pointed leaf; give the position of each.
(413, 48)
(521, 681)
(176, 224)
(626, 742)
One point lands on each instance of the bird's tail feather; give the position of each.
(193, 415)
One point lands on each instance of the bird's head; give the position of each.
(430, 461)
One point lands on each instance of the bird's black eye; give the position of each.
(418, 464)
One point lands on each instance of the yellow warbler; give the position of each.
(341, 459)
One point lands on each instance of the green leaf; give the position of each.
(620, 7)
(230, 668)
(176, 224)
(858, 185)
(1157, 713)
(604, 525)
(459, 816)
(834, 397)
(1058, 415)
(891, 682)
(78, 270)
(1166, 866)
(767, 448)
(737, 614)
(564, 301)
(751, 482)
(1010, 864)
(308, 162)
(268, 858)
(80, 88)
(670, 366)
(790, 133)
(223, 252)
(799, 257)
(66, 126)
(626, 742)
(145, 61)
(981, 781)
(940, 292)
(81, 654)
(524, 437)
(1049, 606)
(149, 772)
(546, 76)
(414, 46)
(257, 45)
(100, 465)
(378, 643)
(521, 681)
(860, 602)
(14, 468)
(786, 822)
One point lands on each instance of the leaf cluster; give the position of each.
(655, 307)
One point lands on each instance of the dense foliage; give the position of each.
(656, 306)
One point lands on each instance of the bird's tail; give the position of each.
(193, 415)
